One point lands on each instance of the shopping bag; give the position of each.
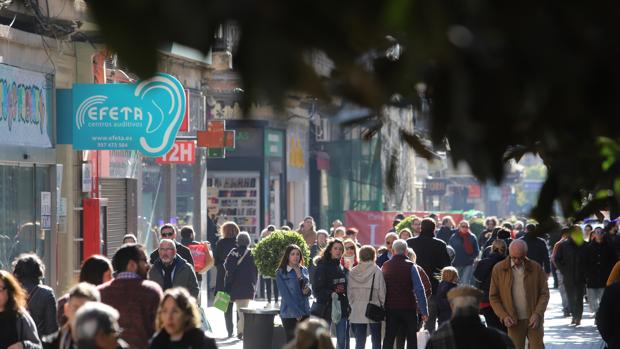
(222, 301)
(205, 326)
(203, 260)
(336, 311)
(423, 337)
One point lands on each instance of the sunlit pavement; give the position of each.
(560, 334)
(558, 331)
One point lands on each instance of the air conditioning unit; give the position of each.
(323, 130)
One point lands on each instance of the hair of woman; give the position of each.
(229, 229)
(287, 253)
(327, 252)
(185, 302)
(16, 302)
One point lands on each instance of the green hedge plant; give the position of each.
(269, 251)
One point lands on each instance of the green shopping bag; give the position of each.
(222, 300)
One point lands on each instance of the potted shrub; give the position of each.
(269, 251)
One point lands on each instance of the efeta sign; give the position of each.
(145, 116)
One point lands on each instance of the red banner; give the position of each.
(373, 225)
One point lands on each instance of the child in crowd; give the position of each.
(448, 280)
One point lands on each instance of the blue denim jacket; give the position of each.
(294, 304)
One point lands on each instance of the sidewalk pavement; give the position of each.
(559, 334)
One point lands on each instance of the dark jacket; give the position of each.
(42, 307)
(182, 275)
(465, 332)
(52, 341)
(538, 251)
(314, 251)
(240, 280)
(330, 275)
(444, 313)
(608, 316)
(432, 255)
(598, 260)
(483, 272)
(192, 339)
(462, 258)
(222, 249)
(27, 331)
(569, 260)
(384, 257)
(401, 280)
(444, 234)
(181, 251)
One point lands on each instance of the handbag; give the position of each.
(374, 312)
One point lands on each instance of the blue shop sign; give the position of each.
(145, 116)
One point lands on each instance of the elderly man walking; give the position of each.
(519, 295)
(170, 270)
(402, 283)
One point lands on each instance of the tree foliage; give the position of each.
(504, 79)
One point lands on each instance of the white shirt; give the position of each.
(518, 290)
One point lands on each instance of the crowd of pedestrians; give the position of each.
(427, 284)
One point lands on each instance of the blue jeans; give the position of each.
(360, 335)
(465, 274)
(342, 334)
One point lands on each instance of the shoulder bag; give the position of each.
(374, 312)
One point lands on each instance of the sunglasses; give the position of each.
(167, 234)
(350, 247)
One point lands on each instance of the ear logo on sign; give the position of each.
(144, 117)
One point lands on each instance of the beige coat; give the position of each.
(358, 290)
(536, 290)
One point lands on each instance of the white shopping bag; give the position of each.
(423, 337)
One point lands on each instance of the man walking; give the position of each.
(401, 281)
(519, 295)
(135, 298)
(432, 256)
(172, 271)
(569, 260)
(169, 231)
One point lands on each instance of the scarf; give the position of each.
(467, 245)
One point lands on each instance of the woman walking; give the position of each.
(366, 285)
(241, 276)
(331, 283)
(228, 241)
(482, 275)
(17, 329)
(293, 279)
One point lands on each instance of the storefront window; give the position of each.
(20, 213)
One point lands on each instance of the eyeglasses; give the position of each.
(167, 234)
(517, 258)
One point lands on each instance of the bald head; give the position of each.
(518, 251)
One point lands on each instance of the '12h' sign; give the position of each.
(182, 152)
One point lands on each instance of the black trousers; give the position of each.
(228, 318)
(574, 292)
(268, 283)
(396, 321)
(289, 325)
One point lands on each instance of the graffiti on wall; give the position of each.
(24, 110)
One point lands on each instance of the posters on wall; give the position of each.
(24, 111)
